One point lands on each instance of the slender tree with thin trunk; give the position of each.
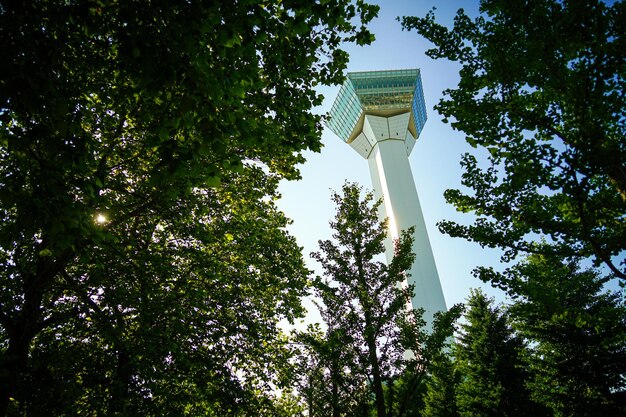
(363, 303)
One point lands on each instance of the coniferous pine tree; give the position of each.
(489, 358)
(440, 397)
(578, 330)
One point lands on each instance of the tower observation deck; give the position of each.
(380, 114)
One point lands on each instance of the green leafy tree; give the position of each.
(178, 311)
(362, 296)
(542, 90)
(578, 334)
(489, 358)
(373, 346)
(143, 264)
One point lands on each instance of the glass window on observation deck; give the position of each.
(377, 91)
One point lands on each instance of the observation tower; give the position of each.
(380, 114)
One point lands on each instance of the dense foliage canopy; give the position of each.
(541, 96)
(143, 264)
(578, 333)
(556, 349)
(542, 90)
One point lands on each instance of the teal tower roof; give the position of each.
(378, 93)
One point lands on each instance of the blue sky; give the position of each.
(434, 160)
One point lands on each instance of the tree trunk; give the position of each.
(334, 376)
(120, 384)
(13, 366)
(377, 381)
(370, 335)
(24, 325)
(390, 398)
(377, 385)
(21, 331)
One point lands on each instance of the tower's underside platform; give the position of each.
(375, 129)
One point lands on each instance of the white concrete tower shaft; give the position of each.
(380, 114)
(392, 180)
